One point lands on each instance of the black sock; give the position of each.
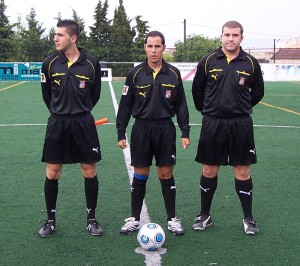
(244, 191)
(208, 187)
(51, 191)
(169, 193)
(138, 190)
(91, 195)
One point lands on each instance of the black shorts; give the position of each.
(226, 141)
(155, 138)
(71, 139)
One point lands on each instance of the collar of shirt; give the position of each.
(241, 56)
(149, 70)
(63, 59)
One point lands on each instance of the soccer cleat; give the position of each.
(94, 227)
(47, 228)
(201, 222)
(249, 226)
(175, 227)
(130, 226)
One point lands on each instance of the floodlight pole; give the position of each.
(184, 40)
(274, 50)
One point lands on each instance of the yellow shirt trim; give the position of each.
(228, 59)
(154, 74)
(69, 63)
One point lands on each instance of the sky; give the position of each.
(263, 20)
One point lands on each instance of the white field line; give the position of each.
(28, 125)
(151, 258)
(267, 126)
(109, 123)
(144, 214)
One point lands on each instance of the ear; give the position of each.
(74, 38)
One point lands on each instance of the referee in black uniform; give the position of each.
(71, 85)
(153, 93)
(227, 84)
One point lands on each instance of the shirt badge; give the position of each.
(125, 90)
(43, 78)
(242, 81)
(82, 84)
(168, 94)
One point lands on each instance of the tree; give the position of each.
(122, 39)
(197, 47)
(6, 33)
(141, 29)
(48, 43)
(17, 41)
(59, 16)
(100, 33)
(168, 57)
(32, 43)
(83, 38)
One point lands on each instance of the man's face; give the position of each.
(154, 49)
(62, 39)
(231, 39)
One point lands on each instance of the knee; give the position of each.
(210, 171)
(241, 172)
(89, 170)
(165, 172)
(143, 171)
(53, 171)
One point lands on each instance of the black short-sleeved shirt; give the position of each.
(71, 90)
(224, 88)
(153, 99)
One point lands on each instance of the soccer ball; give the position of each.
(151, 236)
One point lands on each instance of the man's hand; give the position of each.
(185, 142)
(122, 143)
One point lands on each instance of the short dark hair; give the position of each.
(71, 25)
(155, 33)
(233, 24)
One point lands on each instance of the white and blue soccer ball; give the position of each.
(151, 236)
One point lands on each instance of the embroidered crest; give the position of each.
(125, 90)
(242, 81)
(82, 84)
(168, 94)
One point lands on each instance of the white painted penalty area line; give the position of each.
(144, 214)
(20, 125)
(113, 124)
(151, 258)
(272, 126)
(29, 125)
(267, 126)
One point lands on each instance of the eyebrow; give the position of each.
(59, 34)
(234, 34)
(156, 45)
